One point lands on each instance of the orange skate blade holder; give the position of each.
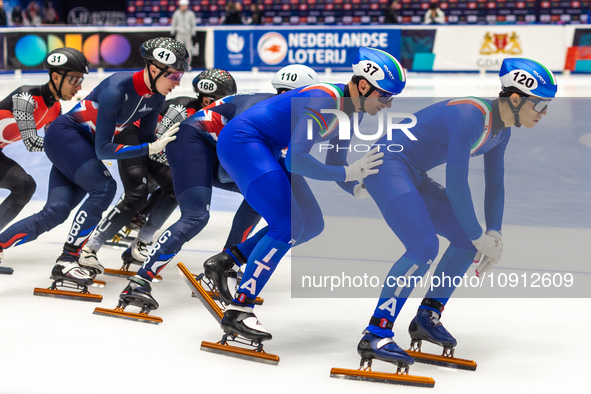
(238, 352)
(122, 314)
(215, 297)
(201, 293)
(98, 283)
(442, 361)
(127, 273)
(70, 295)
(382, 377)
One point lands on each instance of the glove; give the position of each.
(364, 166)
(159, 157)
(360, 191)
(168, 136)
(487, 261)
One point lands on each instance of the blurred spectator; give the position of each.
(392, 13)
(255, 14)
(32, 14)
(17, 16)
(183, 26)
(434, 15)
(49, 13)
(233, 13)
(3, 18)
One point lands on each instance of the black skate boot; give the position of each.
(426, 326)
(67, 270)
(221, 269)
(241, 320)
(138, 293)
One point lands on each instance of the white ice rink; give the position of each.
(58, 346)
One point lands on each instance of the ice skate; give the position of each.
(91, 264)
(222, 270)
(204, 290)
(135, 254)
(427, 327)
(67, 273)
(137, 293)
(242, 327)
(4, 270)
(384, 349)
(119, 239)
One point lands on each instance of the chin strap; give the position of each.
(515, 110)
(364, 97)
(153, 80)
(58, 91)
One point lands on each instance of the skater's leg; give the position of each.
(245, 220)
(21, 186)
(63, 196)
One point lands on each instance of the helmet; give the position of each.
(380, 69)
(215, 83)
(167, 51)
(294, 76)
(68, 59)
(528, 77)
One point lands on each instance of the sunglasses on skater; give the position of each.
(175, 77)
(74, 81)
(539, 105)
(385, 97)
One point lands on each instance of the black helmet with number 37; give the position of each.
(214, 83)
(167, 51)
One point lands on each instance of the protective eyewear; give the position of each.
(175, 77)
(385, 97)
(75, 81)
(539, 105)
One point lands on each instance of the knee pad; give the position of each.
(137, 191)
(104, 192)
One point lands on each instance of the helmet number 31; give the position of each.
(57, 60)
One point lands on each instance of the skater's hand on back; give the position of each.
(490, 249)
(364, 166)
(165, 138)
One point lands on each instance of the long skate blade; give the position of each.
(126, 274)
(258, 301)
(238, 352)
(201, 293)
(128, 315)
(70, 295)
(98, 283)
(382, 377)
(6, 271)
(443, 361)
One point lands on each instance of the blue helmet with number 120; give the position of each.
(527, 77)
(380, 69)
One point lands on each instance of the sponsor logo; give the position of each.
(272, 48)
(501, 43)
(145, 108)
(234, 42)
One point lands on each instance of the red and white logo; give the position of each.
(272, 48)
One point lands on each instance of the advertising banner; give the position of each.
(26, 50)
(476, 48)
(271, 49)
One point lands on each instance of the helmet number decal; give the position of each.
(289, 77)
(370, 69)
(523, 78)
(57, 59)
(164, 56)
(207, 86)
